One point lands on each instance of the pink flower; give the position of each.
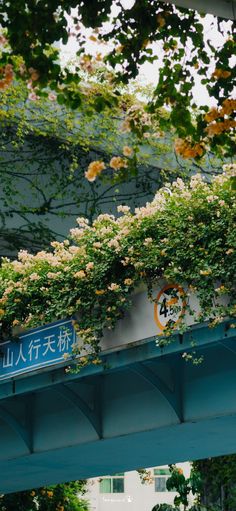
(32, 96)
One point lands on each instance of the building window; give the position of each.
(160, 477)
(112, 484)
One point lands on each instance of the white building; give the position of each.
(126, 492)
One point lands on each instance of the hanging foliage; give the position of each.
(186, 237)
(145, 32)
(47, 149)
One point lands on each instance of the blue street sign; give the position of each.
(41, 347)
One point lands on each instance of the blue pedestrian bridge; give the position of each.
(143, 406)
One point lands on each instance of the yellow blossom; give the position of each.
(15, 322)
(221, 73)
(187, 150)
(117, 163)
(97, 244)
(34, 276)
(98, 57)
(125, 261)
(147, 241)
(94, 169)
(51, 275)
(212, 115)
(83, 360)
(7, 79)
(113, 287)
(221, 290)
(128, 282)
(80, 274)
(228, 106)
(205, 272)
(127, 151)
(100, 292)
(216, 128)
(89, 266)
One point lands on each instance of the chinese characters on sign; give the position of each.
(41, 347)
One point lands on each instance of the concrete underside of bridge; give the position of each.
(148, 407)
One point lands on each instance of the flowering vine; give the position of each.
(186, 235)
(146, 31)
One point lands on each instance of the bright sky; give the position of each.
(149, 72)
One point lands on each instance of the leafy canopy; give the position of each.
(30, 28)
(62, 497)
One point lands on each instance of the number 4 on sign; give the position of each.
(163, 308)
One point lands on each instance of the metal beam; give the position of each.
(81, 405)
(130, 354)
(140, 411)
(229, 344)
(23, 432)
(171, 397)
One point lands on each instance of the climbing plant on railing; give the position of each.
(186, 235)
